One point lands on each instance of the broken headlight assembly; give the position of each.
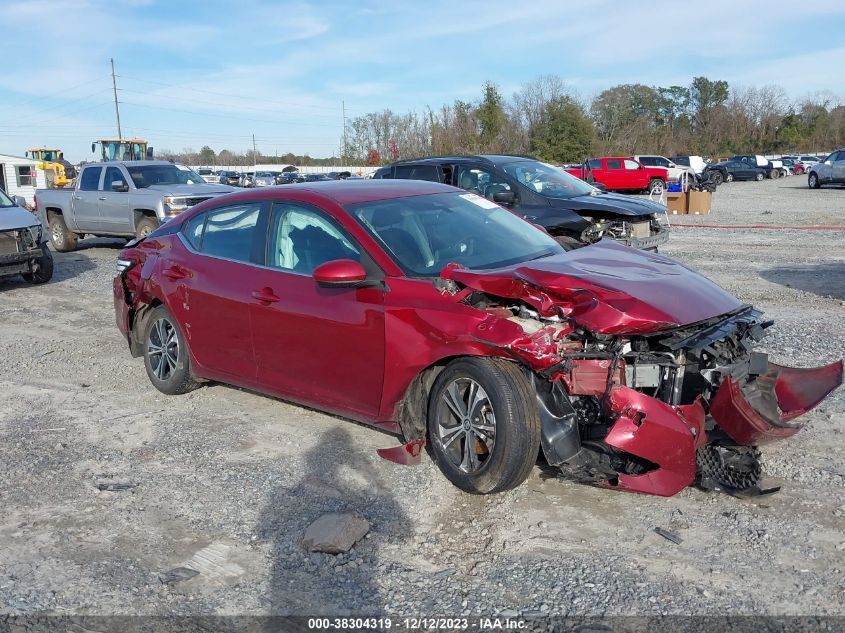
(124, 265)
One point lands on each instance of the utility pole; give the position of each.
(114, 88)
(343, 153)
(254, 154)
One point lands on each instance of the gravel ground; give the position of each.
(237, 477)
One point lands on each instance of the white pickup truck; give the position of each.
(121, 199)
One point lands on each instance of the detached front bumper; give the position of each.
(760, 411)
(646, 243)
(20, 262)
(764, 410)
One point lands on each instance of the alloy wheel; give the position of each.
(163, 349)
(466, 425)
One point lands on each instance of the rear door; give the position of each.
(115, 214)
(207, 277)
(318, 345)
(85, 200)
(635, 176)
(601, 171)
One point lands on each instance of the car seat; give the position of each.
(314, 246)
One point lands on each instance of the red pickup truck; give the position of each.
(619, 173)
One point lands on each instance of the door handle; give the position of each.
(103, 198)
(265, 295)
(174, 273)
(77, 197)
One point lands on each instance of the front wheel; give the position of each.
(166, 355)
(729, 177)
(483, 424)
(44, 272)
(813, 181)
(759, 177)
(145, 226)
(718, 178)
(656, 186)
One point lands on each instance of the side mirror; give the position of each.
(20, 201)
(504, 197)
(119, 186)
(339, 273)
(93, 147)
(672, 165)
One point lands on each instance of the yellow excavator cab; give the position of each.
(60, 173)
(122, 149)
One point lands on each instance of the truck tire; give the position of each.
(656, 186)
(45, 268)
(774, 174)
(146, 226)
(62, 238)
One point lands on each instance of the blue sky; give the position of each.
(213, 72)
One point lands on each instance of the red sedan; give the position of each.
(437, 314)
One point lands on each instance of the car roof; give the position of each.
(458, 158)
(346, 192)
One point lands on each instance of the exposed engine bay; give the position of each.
(658, 411)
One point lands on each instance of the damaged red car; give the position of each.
(440, 316)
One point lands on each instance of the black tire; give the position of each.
(729, 177)
(45, 268)
(718, 178)
(62, 238)
(774, 174)
(813, 181)
(759, 177)
(508, 396)
(656, 185)
(170, 369)
(145, 226)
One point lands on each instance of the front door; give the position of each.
(86, 203)
(115, 214)
(318, 345)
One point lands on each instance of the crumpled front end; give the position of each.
(648, 409)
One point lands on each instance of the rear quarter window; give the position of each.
(417, 172)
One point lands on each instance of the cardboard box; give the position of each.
(699, 202)
(676, 202)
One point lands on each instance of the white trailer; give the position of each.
(20, 176)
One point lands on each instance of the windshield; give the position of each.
(548, 180)
(424, 233)
(146, 175)
(5, 201)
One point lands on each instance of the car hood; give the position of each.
(606, 288)
(16, 218)
(610, 204)
(192, 190)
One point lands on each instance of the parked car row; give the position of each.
(248, 179)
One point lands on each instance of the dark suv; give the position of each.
(567, 207)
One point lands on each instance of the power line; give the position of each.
(228, 94)
(53, 96)
(225, 116)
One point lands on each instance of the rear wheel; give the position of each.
(656, 186)
(483, 424)
(146, 226)
(62, 238)
(45, 268)
(166, 355)
(729, 177)
(813, 181)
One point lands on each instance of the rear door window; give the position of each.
(614, 163)
(90, 179)
(229, 233)
(594, 163)
(417, 172)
